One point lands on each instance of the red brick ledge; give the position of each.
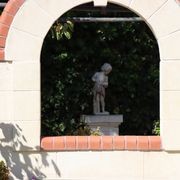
(101, 143)
(6, 19)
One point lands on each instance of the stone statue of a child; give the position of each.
(101, 82)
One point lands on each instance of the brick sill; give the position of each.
(101, 143)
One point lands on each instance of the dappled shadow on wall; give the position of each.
(23, 164)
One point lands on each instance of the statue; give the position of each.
(101, 82)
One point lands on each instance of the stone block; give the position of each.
(38, 24)
(156, 171)
(26, 135)
(103, 165)
(57, 8)
(125, 3)
(6, 106)
(170, 103)
(164, 21)
(48, 165)
(27, 105)
(6, 76)
(26, 76)
(170, 75)
(100, 2)
(108, 124)
(170, 134)
(24, 165)
(169, 46)
(146, 8)
(21, 46)
(6, 135)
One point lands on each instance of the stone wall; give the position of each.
(23, 27)
(96, 165)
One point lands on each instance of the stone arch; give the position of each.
(23, 27)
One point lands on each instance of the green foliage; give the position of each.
(156, 128)
(86, 131)
(60, 30)
(4, 171)
(68, 65)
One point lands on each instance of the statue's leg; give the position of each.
(94, 105)
(102, 103)
(98, 103)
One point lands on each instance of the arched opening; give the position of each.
(67, 67)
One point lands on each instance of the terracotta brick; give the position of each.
(6, 18)
(47, 143)
(1, 54)
(130, 142)
(3, 30)
(11, 7)
(142, 143)
(70, 142)
(82, 142)
(178, 1)
(154, 143)
(107, 142)
(2, 42)
(150, 143)
(94, 142)
(19, 2)
(118, 143)
(59, 143)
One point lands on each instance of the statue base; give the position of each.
(108, 124)
(102, 113)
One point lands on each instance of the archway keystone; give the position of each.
(100, 2)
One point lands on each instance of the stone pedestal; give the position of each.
(108, 124)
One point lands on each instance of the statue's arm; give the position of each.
(94, 78)
(105, 83)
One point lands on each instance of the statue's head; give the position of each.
(106, 68)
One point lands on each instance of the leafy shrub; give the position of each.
(87, 131)
(4, 171)
(156, 129)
